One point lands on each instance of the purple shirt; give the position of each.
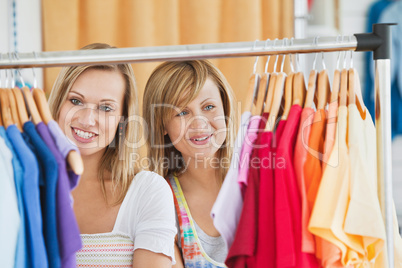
(67, 227)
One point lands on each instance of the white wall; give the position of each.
(28, 29)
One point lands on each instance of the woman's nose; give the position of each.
(198, 122)
(87, 117)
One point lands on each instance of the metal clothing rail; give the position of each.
(379, 42)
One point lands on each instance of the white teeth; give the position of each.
(202, 139)
(83, 134)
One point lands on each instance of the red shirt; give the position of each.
(288, 200)
(244, 245)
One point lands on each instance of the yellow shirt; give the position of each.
(329, 211)
(364, 216)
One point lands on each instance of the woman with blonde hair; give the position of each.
(124, 217)
(188, 105)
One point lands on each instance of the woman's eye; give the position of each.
(105, 108)
(75, 102)
(209, 107)
(182, 113)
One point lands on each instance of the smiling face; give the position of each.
(91, 113)
(199, 129)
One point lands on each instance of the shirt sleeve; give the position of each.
(156, 225)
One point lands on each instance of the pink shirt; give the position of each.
(251, 136)
(300, 156)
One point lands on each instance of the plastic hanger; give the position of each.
(312, 82)
(253, 85)
(271, 85)
(277, 99)
(323, 87)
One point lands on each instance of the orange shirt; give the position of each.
(299, 158)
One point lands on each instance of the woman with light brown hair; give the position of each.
(188, 105)
(124, 217)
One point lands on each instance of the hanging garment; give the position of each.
(49, 201)
(242, 251)
(148, 198)
(330, 207)
(10, 226)
(246, 151)
(364, 205)
(285, 240)
(285, 175)
(48, 177)
(193, 253)
(67, 227)
(229, 202)
(36, 251)
(330, 132)
(300, 156)
(21, 244)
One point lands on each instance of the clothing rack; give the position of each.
(379, 41)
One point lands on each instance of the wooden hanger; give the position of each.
(73, 158)
(270, 92)
(299, 89)
(262, 91)
(356, 88)
(351, 87)
(33, 110)
(5, 109)
(251, 92)
(343, 91)
(288, 96)
(336, 83)
(312, 82)
(276, 102)
(14, 109)
(42, 105)
(22, 110)
(323, 89)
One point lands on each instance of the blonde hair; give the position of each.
(176, 84)
(121, 171)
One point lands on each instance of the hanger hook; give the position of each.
(256, 59)
(268, 57)
(322, 61)
(315, 56)
(18, 70)
(33, 72)
(292, 66)
(284, 55)
(351, 54)
(276, 59)
(12, 82)
(339, 53)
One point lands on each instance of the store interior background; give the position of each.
(22, 30)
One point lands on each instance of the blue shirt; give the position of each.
(21, 248)
(49, 201)
(379, 12)
(49, 177)
(36, 256)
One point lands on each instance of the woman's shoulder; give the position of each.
(149, 181)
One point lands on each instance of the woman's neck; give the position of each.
(201, 173)
(91, 166)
